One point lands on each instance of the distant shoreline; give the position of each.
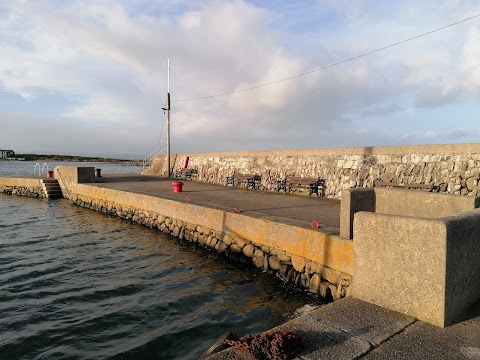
(70, 158)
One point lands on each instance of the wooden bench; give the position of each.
(185, 174)
(250, 180)
(430, 187)
(312, 184)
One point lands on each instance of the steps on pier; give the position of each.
(52, 189)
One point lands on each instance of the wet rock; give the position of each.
(249, 250)
(240, 242)
(315, 283)
(274, 262)
(201, 239)
(298, 263)
(212, 241)
(221, 247)
(330, 275)
(258, 261)
(227, 239)
(258, 252)
(235, 248)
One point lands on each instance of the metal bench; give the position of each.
(312, 184)
(185, 174)
(250, 180)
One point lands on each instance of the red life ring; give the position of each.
(184, 163)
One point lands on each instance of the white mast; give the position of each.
(168, 120)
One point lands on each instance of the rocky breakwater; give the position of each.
(316, 278)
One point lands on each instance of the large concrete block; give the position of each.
(426, 268)
(420, 203)
(85, 174)
(71, 175)
(354, 200)
(415, 203)
(463, 262)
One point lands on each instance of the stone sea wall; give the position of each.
(455, 167)
(22, 187)
(316, 278)
(22, 191)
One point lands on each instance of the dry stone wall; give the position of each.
(456, 167)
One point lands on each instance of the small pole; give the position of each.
(168, 120)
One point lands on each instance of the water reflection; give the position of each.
(76, 283)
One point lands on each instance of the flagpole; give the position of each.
(168, 120)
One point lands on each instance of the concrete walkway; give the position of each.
(353, 329)
(280, 207)
(346, 329)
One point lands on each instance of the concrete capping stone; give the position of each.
(21, 182)
(373, 150)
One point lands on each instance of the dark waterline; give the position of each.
(77, 284)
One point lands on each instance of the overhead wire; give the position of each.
(330, 65)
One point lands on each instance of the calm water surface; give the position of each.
(11, 168)
(78, 284)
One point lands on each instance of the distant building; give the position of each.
(7, 154)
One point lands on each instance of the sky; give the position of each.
(84, 77)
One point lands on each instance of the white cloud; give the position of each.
(109, 58)
(469, 64)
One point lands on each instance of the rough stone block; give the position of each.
(249, 250)
(298, 263)
(331, 275)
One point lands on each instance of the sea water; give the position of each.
(79, 284)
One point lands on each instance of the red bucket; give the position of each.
(177, 186)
